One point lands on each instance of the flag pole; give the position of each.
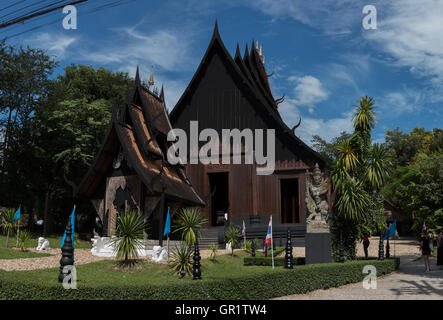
(18, 227)
(272, 244)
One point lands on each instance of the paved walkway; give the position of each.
(410, 282)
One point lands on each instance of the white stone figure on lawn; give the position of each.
(228, 246)
(159, 254)
(102, 247)
(43, 244)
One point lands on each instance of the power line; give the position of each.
(98, 8)
(11, 5)
(36, 14)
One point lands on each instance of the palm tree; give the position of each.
(129, 234)
(233, 235)
(378, 166)
(181, 259)
(189, 223)
(364, 116)
(7, 223)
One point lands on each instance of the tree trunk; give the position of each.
(45, 223)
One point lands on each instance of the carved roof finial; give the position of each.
(263, 60)
(256, 45)
(260, 52)
(151, 77)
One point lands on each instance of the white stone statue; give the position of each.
(228, 246)
(43, 244)
(159, 254)
(102, 247)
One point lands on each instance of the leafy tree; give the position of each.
(359, 172)
(7, 223)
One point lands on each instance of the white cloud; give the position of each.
(326, 128)
(331, 16)
(410, 33)
(167, 50)
(55, 44)
(309, 91)
(398, 102)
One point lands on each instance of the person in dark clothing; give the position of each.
(439, 249)
(366, 243)
(425, 249)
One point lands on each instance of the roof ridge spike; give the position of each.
(246, 52)
(137, 77)
(216, 32)
(162, 95)
(237, 51)
(252, 46)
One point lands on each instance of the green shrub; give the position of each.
(278, 262)
(273, 283)
(214, 248)
(23, 237)
(181, 258)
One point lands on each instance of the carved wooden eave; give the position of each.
(135, 133)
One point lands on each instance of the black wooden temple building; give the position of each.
(130, 171)
(233, 92)
(225, 93)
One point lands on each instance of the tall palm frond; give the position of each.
(348, 155)
(364, 116)
(378, 167)
(353, 200)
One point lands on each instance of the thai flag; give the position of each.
(268, 239)
(424, 227)
(243, 230)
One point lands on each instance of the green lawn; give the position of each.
(225, 278)
(54, 242)
(16, 254)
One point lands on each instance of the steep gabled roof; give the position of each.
(136, 132)
(252, 78)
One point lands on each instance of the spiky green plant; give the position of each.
(128, 235)
(6, 222)
(181, 258)
(247, 246)
(233, 235)
(213, 247)
(189, 223)
(23, 237)
(378, 167)
(353, 200)
(364, 116)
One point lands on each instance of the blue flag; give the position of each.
(17, 214)
(391, 231)
(72, 225)
(167, 225)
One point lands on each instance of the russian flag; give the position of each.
(243, 231)
(268, 239)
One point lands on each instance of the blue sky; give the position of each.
(322, 58)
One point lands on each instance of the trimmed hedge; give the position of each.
(269, 284)
(278, 262)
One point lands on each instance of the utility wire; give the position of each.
(99, 8)
(11, 5)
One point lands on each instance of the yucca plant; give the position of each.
(233, 235)
(129, 235)
(180, 259)
(6, 222)
(213, 247)
(189, 223)
(247, 246)
(23, 237)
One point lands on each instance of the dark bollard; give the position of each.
(342, 256)
(253, 248)
(67, 254)
(388, 247)
(288, 255)
(381, 254)
(197, 272)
